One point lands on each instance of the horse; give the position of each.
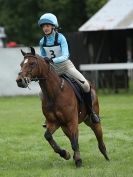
(60, 105)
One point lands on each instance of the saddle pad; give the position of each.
(76, 87)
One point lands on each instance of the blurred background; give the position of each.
(98, 31)
(20, 18)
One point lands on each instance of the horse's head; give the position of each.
(29, 69)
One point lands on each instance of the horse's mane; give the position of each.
(47, 62)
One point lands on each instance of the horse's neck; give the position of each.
(51, 85)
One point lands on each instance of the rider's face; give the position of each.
(47, 29)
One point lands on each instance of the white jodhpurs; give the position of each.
(68, 68)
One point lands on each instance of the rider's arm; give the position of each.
(42, 51)
(64, 49)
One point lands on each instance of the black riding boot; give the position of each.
(88, 100)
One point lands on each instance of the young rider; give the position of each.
(53, 46)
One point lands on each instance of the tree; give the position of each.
(20, 17)
(92, 6)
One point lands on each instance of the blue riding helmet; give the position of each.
(48, 18)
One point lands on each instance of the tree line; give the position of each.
(20, 17)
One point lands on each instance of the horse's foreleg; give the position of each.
(72, 133)
(99, 135)
(51, 128)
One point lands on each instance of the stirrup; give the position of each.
(44, 125)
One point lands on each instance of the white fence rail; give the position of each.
(106, 66)
(95, 68)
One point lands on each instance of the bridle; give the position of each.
(37, 65)
(29, 78)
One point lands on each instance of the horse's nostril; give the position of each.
(21, 83)
(19, 80)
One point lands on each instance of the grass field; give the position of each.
(25, 153)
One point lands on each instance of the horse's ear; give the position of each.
(23, 53)
(32, 50)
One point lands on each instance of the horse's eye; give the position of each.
(33, 64)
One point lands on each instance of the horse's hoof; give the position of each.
(106, 157)
(78, 163)
(66, 155)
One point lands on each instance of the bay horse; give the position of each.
(60, 105)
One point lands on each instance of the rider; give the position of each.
(53, 46)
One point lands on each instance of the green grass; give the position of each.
(25, 153)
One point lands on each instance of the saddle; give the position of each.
(76, 87)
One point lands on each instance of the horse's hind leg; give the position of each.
(51, 128)
(97, 129)
(71, 132)
(99, 135)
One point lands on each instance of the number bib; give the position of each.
(53, 51)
